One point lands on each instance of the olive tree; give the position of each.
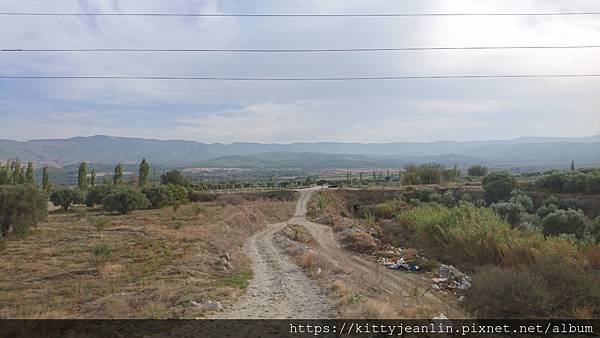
(497, 186)
(21, 206)
(65, 197)
(124, 200)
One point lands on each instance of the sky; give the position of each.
(286, 112)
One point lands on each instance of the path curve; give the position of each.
(279, 288)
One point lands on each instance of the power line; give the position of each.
(317, 50)
(359, 78)
(216, 15)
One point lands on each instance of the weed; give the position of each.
(99, 222)
(239, 280)
(80, 213)
(321, 203)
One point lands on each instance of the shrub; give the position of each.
(159, 197)
(321, 202)
(546, 210)
(362, 242)
(96, 194)
(564, 222)
(423, 195)
(124, 200)
(65, 197)
(21, 206)
(509, 211)
(99, 223)
(179, 193)
(448, 199)
(549, 288)
(388, 209)
(200, 196)
(80, 212)
(498, 186)
(520, 197)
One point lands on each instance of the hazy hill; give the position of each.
(526, 151)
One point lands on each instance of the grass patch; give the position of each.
(240, 280)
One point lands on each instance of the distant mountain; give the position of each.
(525, 151)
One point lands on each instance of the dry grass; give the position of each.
(149, 264)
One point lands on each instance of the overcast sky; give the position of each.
(360, 111)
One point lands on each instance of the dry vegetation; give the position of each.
(356, 293)
(148, 264)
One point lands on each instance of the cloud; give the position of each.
(381, 111)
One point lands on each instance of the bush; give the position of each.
(546, 210)
(361, 242)
(448, 199)
(520, 197)
(124, 200)
(498, 186)
(21, 206)
(80, 212)
(546, 289)
(65, 197)
(96, 194)
(388, 209)
(509, 211)
(564, 222)
(179, 193)
(159, 197)
(423, 195)
(200, 196)
(99, 223)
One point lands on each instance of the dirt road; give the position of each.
(279, 288)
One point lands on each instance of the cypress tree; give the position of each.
(118, 176)
(4, 174)
(572, 165)
(143, 173)
(45, 178)
(93, 178)
(29, 173)
(82, 176)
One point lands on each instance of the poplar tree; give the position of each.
(29, 173)
(143, 173)
(93, 178)
(82, 176)
(572, 165)
(118, 176)
(45, 178)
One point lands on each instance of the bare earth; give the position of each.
(279, 288)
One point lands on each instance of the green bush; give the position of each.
(564, 222)
(65, 197)
(179, 193)
(520, 197)
(509, 211)
(124, 200)
(388, 209)
(21, 206)
(448, 199)
(200, 196)
(99, 222)
(96, 194)
(497, 186)
(159, 197)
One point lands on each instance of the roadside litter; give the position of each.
(399, 264)
(451, 278)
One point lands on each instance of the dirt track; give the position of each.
(279, 288)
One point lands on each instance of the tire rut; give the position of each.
(278, 288)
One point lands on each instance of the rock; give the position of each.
(441, 316)
(212, 305)
(225, 256)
